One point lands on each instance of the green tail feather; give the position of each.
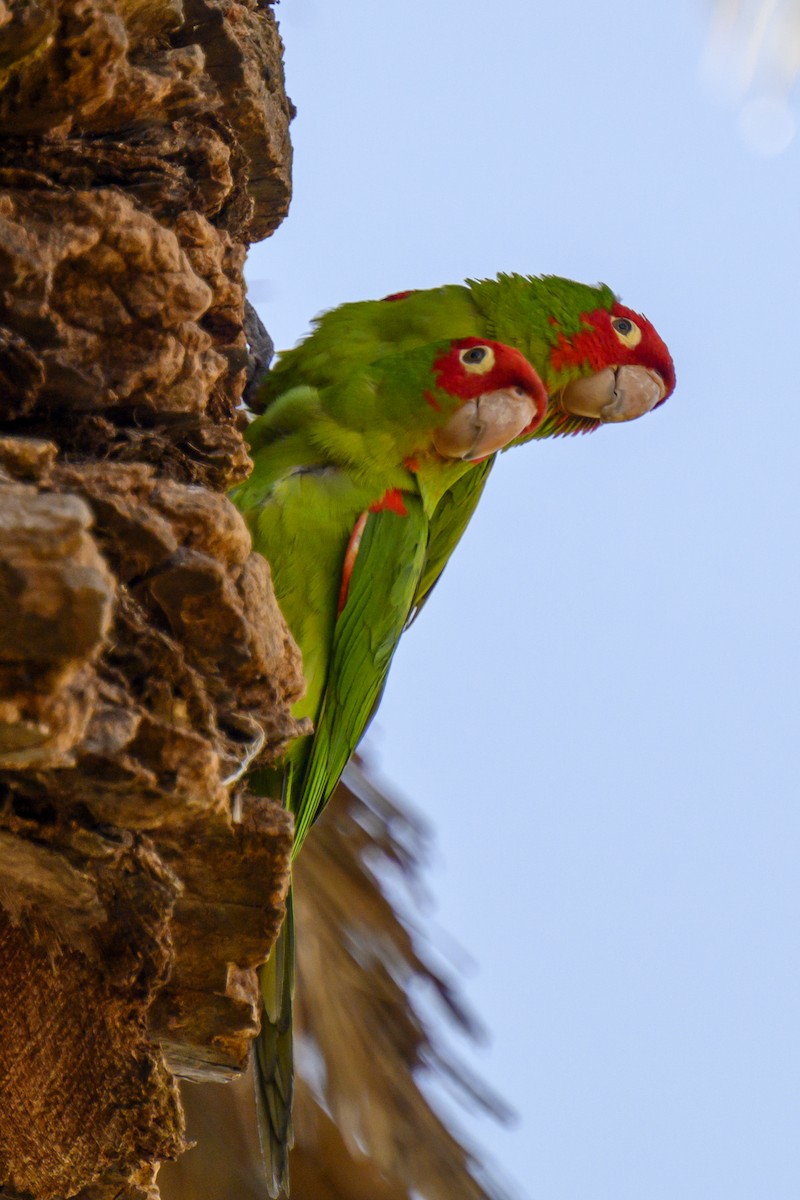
(274, 1065)
(381, 593)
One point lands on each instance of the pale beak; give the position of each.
(615, 394)
(485, 424)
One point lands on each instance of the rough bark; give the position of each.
(143, 660)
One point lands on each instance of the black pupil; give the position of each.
(478, 354)
(623, 325)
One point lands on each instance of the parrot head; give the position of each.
(600, 361)
(614, 368)
(502, 398)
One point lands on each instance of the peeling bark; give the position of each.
(143, 658)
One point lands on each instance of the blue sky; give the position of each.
(598, 709)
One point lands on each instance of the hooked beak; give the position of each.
(485, 424)
(615, 394)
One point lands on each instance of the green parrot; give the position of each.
(346, 479)
(359, 496)
(600, 362)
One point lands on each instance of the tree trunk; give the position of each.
(143, 660)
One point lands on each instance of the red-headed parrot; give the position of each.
(365, 478)
(600, 361)
(346, 479)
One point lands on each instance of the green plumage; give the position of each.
(344, 412)
(524, 311)
(323, 457)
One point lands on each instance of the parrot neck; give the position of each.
(435, 476)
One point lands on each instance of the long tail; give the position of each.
(274, 1066)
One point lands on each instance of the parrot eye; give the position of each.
(627, 331)
(477, 359)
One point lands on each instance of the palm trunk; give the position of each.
(143, 659)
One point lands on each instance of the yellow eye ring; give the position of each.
(477, 360)
(627, 331)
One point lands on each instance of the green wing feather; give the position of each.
(382, 589)
(365, 635)
(448, 524)
(274, 1058)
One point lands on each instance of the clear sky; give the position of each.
(598, 709)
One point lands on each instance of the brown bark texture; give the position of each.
(143, 660)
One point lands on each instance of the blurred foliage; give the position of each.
(367, 1034)
(754, 57)
(762, 37)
